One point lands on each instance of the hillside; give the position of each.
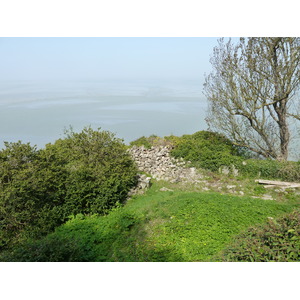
(195, 209)
(168, 223)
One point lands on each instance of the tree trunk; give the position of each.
(284, 132)
(280, 105)
(284, 139)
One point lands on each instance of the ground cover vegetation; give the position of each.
(63, 190)
(277, 240)
(178, 225)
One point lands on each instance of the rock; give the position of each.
(175, 180)
(160, 165)
(264, 197)
(224, 170)
(231, 186)
(164, 189)
(267, 197)
(143, 183)
(235, 172)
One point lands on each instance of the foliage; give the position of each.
(277, 241)
(209, 150)
(160, 226)
(152, 141)
(252, 92)
(81, 239)
(147, 142)
(87, 172)
(271, 169)
(206, 150)
(100, 171)
(212, 151)
(27, 193)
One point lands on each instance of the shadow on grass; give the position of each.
(118, 237)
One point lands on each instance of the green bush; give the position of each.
(147, 142)
(290, 171)
(87, 172)
(152, 141)
(99, 170)
(207, 150)
(276, 241)
(50, 249)
(27, 195)
(261, 168)
(270, 169)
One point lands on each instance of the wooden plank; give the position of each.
(283, 184)
(271, 186)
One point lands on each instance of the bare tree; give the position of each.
(252, 93)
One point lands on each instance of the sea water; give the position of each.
(39, 112)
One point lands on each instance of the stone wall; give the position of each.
(143, 183)
(158, 163)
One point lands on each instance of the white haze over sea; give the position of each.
(38, 112)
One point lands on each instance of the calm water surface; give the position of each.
(38, 112)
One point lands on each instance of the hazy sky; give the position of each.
(105, 58)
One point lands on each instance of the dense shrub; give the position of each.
(259, 168)
(269, 169)
(99, 170)
(49, 249)
(290, 171)
(153, 141)
(87, 172)
(278, 240)
(27, 196)
(204, 139)
(147, 142)
(207, 150)
(211, 151)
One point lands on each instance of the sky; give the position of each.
(49, 58)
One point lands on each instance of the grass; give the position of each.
(179, 225)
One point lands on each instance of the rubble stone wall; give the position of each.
(158, 163)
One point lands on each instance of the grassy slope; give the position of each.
(159, 226)
(191, 226)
